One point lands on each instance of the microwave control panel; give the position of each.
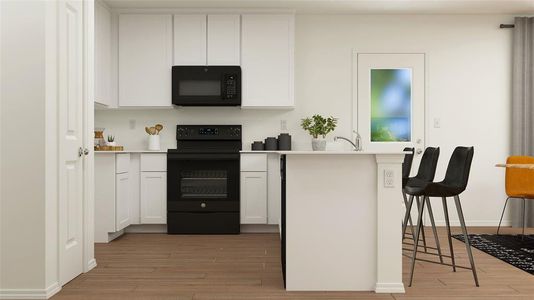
(230, 86)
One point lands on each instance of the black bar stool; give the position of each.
(425, 174)
(453, 185)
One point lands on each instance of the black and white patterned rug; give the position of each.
(508, 248)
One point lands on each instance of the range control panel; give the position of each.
(208, 132)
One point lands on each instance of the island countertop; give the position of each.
(309, 152)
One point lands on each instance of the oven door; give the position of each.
(203, 182)
(206, 85)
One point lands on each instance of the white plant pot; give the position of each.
(111, 144)
(153, 143)
(318, 144)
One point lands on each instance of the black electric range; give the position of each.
(203, 180)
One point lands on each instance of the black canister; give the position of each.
(271, 144)
(257, 146)
(284, 141)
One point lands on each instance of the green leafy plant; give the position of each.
(318, 125)
(111, 138)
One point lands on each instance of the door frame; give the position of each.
(89, 261)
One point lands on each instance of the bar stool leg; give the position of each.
(422, 225)
(524, 218)
(407, 216)
(466, 237)
(502, 215)
(434, 230)
(449, 236)
(416, 241)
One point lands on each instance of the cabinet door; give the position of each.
(102, 54)
(224, 40)
(253, 197)
(122, 209)
(145, 60)
(153, 197)
(267, 46)
(189, 40)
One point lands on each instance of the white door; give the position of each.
(224, 40)
(71, 118)
(189, 39)
(122, 197)
(153, 197)
(253, 197)
(389, 101)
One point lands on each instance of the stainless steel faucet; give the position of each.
(357, 144)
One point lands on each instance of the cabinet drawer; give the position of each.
(254, 162)
(154, 162)
(122, 163)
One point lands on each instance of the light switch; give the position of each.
(283, 125)
(437, 123)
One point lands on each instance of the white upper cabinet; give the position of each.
(190, 39)
(224, 40)
(102, 54)
(267, 60)
(145, 60)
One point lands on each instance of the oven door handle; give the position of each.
(198, 156)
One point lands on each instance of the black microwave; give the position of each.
(206, 85)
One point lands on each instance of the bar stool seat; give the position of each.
(432, 189)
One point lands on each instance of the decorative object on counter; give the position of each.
(271, 144)
(111, 141)
(318, 127)
(284, 141)
(99, 138)
(257, 146)
(153, 137)
(110, 148)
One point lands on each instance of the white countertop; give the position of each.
(326, 152)
(133, 151)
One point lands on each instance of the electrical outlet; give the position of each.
(283, 125)
(132, 124)
(389, 178)
(437, 123)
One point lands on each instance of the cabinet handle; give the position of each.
(86, 151)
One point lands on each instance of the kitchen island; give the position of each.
(341, 221)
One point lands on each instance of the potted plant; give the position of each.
(111, 141)
(318, 127)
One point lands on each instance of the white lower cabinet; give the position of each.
(130, 189)
(122, 210)
(153, 197)
(260, 188)
(253, 197)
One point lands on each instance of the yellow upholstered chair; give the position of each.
(519, 184)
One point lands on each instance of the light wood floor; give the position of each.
(159, 266)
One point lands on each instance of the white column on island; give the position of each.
(389, 238)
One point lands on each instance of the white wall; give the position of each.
(468, 88)
(28, 151)
(22, 219)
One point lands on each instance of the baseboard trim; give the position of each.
(474, 223)
(91, 265)
(146, 228)
(259, 228)
(30, 293)
(396, 288)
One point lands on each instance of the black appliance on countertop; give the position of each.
(206, 85)
(203, 180)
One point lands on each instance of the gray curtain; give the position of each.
(523, 102)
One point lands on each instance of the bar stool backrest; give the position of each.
(407, 164)
(459, 167)
(428, 164)
(519, 182)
